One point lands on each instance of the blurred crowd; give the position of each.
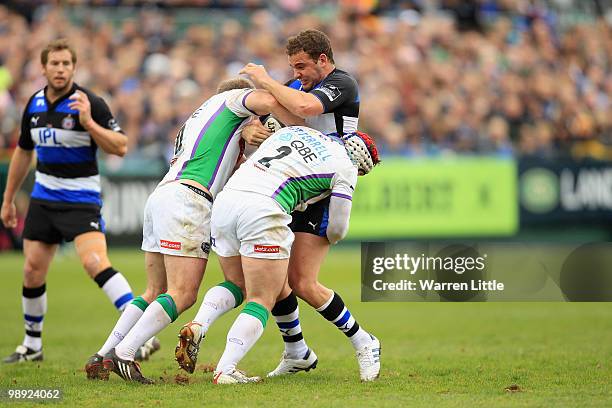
(499, 77)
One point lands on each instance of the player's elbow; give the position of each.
(122, 150)
(118, 150)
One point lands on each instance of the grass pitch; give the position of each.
(433, 354)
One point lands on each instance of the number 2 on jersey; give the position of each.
(282, 152)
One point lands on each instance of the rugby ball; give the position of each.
(272, 124)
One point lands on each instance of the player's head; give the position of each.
(362, 151)
(310, 56)
(234, 83)
(58, 61)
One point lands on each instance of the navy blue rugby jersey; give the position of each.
(339, 94)
(66, 167)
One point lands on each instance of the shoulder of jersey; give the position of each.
(93, 97)
(343, 73)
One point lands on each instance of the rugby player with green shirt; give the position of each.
(176, 229)
(296, 167)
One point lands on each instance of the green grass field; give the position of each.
(433, 354)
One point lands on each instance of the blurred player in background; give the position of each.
(296, 166)
(65, 124)
(176, 229)
(328, 100)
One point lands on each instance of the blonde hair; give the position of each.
(234, 83)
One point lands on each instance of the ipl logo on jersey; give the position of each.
(68, 122)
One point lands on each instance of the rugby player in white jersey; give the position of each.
(176, 230)
(250, 233)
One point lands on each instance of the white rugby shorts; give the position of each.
(177, 222)
(251, 225)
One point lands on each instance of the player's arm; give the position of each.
(297, 102)
(262, 103)
(111, 140)
(259, 101)
(18, 170)
(339, 214)
(340, 204)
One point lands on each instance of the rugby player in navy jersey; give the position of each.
(65, 124)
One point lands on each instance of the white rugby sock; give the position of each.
(244, 333)
(34, 305)
(115, 286)
(218, 300)
(127, 320)
(156, 317)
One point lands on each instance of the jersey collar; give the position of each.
(61, 98)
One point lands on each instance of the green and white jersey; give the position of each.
(297, 166)
(208, 145)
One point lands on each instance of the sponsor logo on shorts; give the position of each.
(267, 249)
(170, 244)
(205, 247)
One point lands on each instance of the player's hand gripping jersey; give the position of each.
(298, 166)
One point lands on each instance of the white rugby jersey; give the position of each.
(208, 145)
(296, 166)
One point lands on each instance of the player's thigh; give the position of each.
(38, 256)
(92, 251)
(264, 279)
(156, 276)
(184, 275)
(307, 255)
